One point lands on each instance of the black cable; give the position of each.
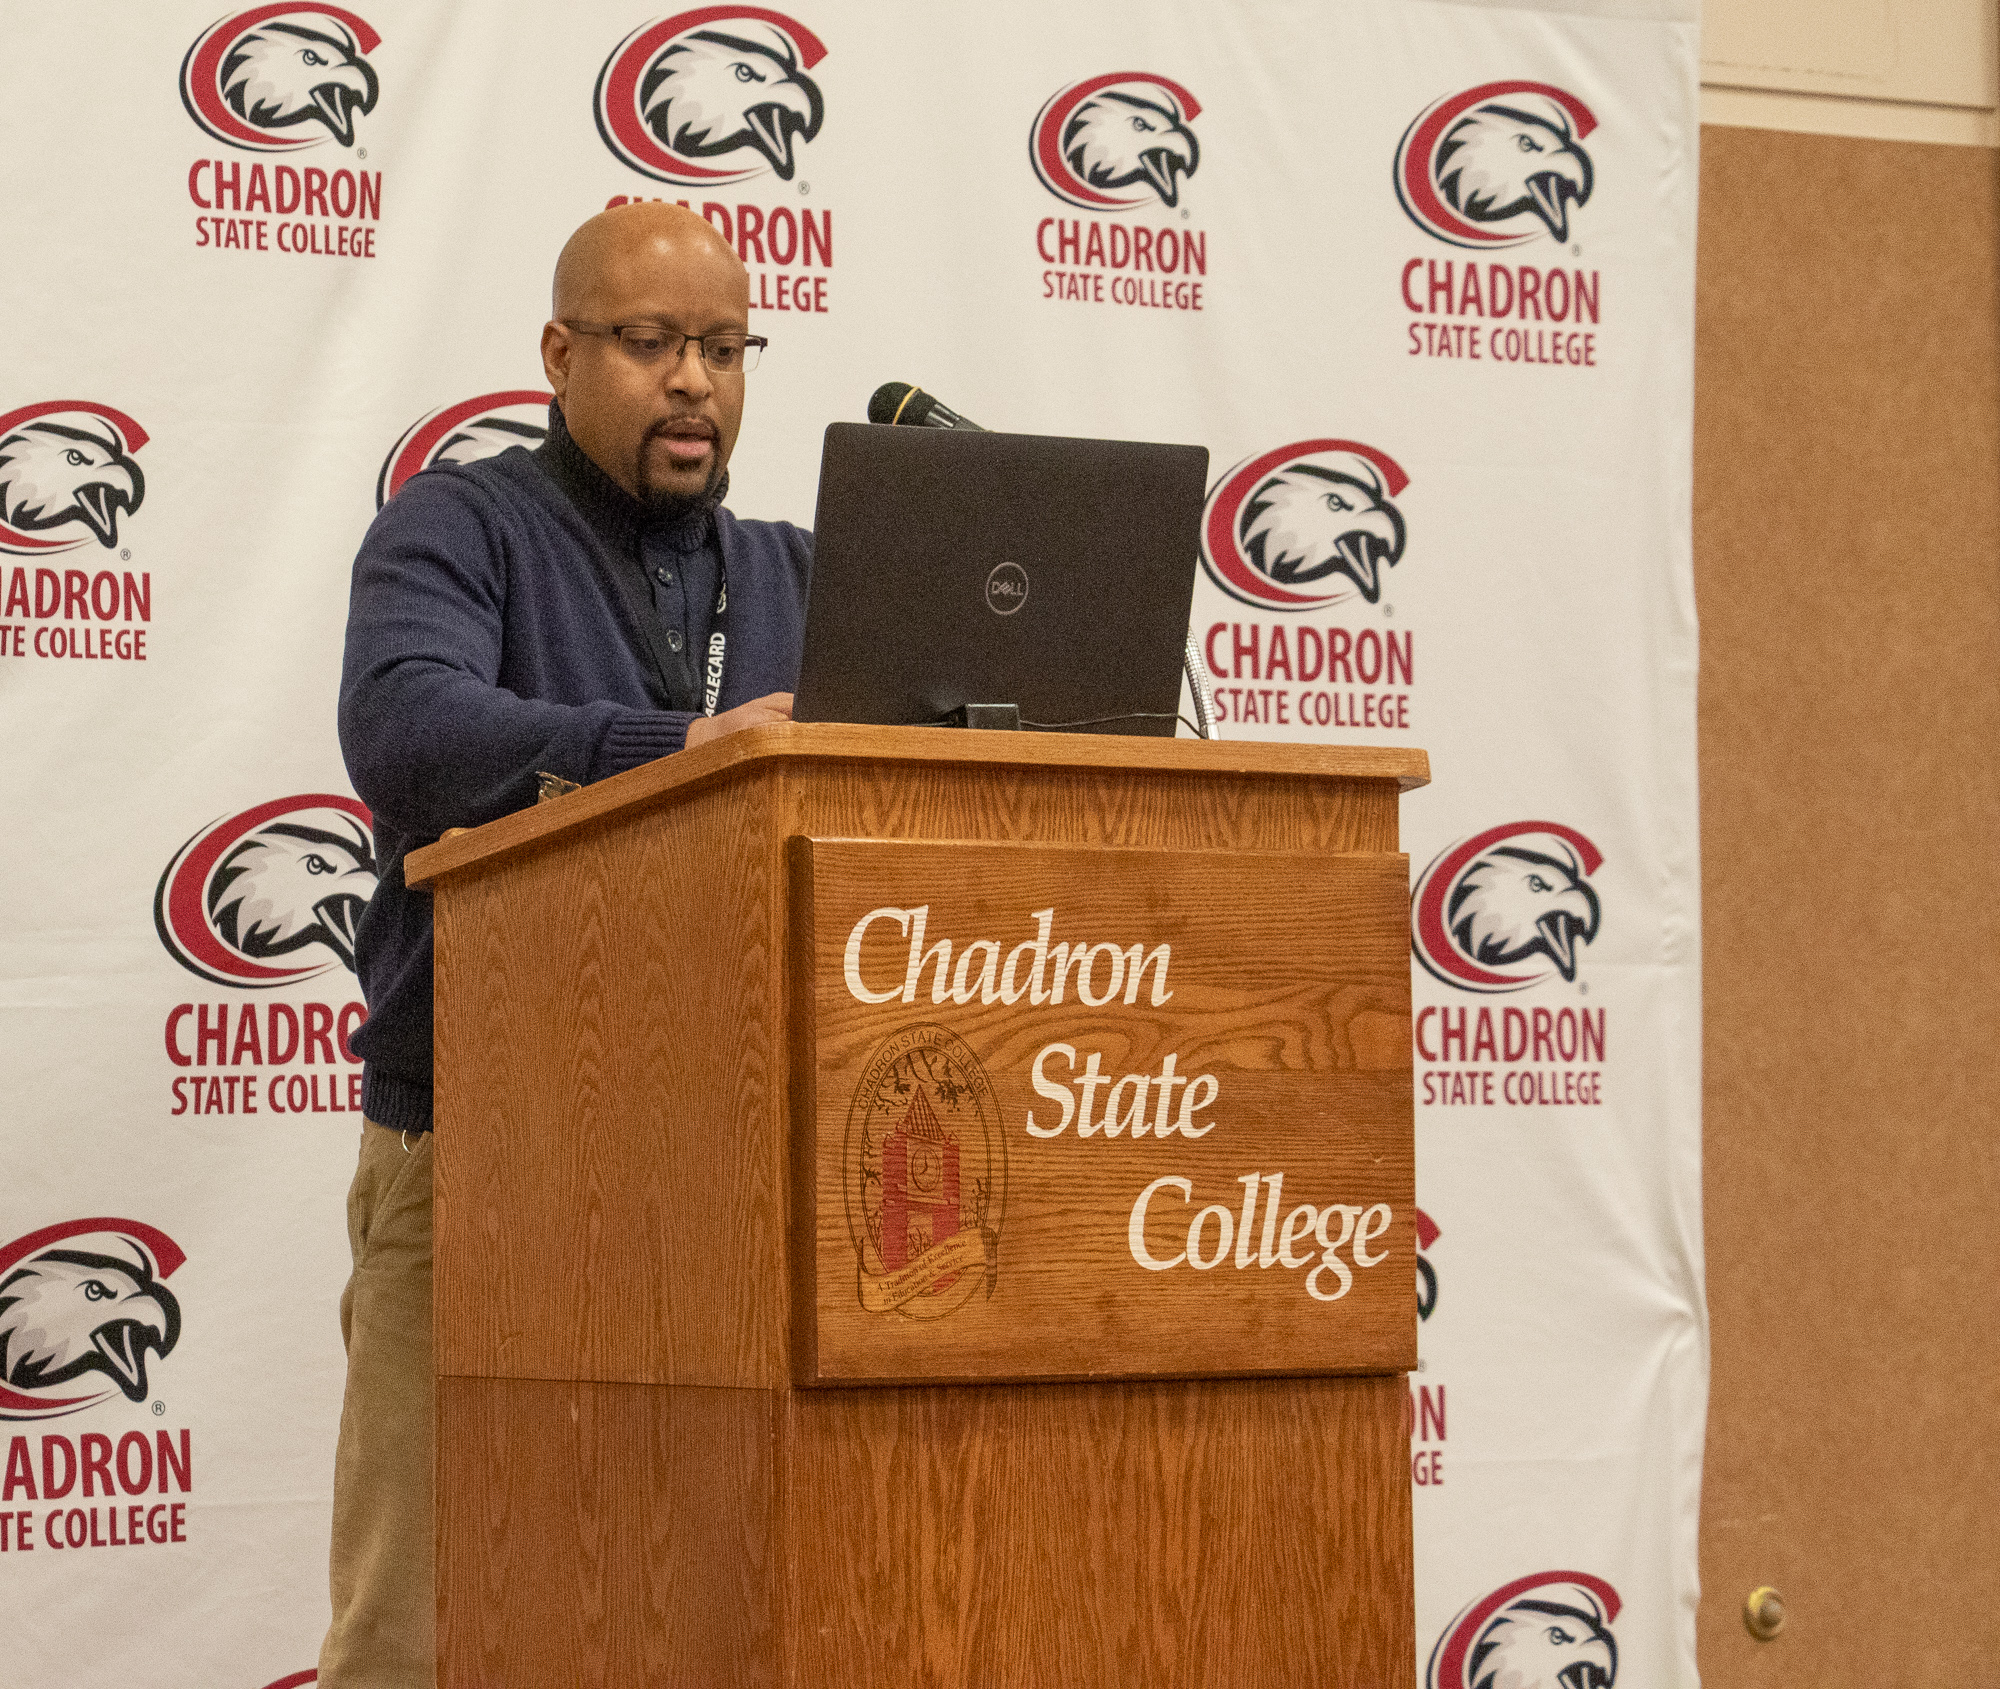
(1102, 720)
(1087, 721)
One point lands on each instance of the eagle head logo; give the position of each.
(1123, 131)
(1305, 526)
(1513, 903)
(1548, 1631)
(67, 466)
(711, 92)
(1116, 138)
(78, 1299)
(1507, 908)
(289, 885)
(1497, 165)
(286, 72)
(707, 84)
(1498, 161)
(1310, 520)
(280, 77)
(464, 433)
(272, 895)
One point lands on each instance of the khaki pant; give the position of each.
(384, 1608)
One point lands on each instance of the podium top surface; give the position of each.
(747, 752)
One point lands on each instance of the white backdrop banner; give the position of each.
(1418, 275)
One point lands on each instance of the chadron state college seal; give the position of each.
(925, 1175)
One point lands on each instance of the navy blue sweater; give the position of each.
(489, 639)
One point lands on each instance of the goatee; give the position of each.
(674, 507)
(660, 503)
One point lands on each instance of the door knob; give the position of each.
(1764, 1613)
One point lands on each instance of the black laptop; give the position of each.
(955, 567)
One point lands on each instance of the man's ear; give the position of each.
(555, 356)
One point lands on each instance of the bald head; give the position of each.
(660, 425)
(627, 238)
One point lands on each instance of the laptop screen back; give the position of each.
(958, 567)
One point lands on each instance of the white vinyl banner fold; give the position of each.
(1418, 275)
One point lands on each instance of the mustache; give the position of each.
(672, 426)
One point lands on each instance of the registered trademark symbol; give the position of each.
(125, 556)
(1583, 988)
(1576, 252)
(158, 1409)
(1388, 609)
(805, 187)
(360, 152)
(1184, 215)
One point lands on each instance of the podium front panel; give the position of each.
(642, 1477)
(1087, 1112)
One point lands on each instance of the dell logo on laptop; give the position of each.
(1006, 588)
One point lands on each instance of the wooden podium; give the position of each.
(928, 1207)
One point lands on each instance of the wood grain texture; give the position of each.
(610, 1195)
(1277, 993)
(612, 1020)
(1850, 818)
(1167, 1534)
(891, 750)
(1178, 1536)
(1226, 811)
(631, 1491)
(604, 1534)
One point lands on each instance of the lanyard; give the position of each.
(718, 644)
(672, 668)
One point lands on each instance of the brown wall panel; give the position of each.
(1847, 523)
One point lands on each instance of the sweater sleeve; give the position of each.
(430, 738)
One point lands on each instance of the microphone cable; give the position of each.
(1106, 720)
(1091, 721)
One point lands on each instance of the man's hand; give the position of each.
(773, 706)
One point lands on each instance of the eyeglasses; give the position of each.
(647, 344)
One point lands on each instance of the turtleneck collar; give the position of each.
(614, 515)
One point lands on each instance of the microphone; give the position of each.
(911, 407)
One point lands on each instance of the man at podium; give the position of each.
(577, 610)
